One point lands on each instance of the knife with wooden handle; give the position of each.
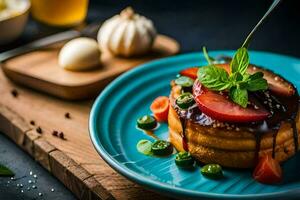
(89, 31)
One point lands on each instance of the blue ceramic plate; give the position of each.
(114, 134)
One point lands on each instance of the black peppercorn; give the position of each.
(55, 133)
(61, 135)
(39, 130)
(14, 93)
(67, 115)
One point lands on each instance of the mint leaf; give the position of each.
(256, 75)
(4, 171)
(240, 61)
(238, 82)
(214, 78)
(144, 147)
(236, 77)
(239, 96)
(256, 82)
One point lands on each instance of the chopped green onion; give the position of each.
(185, 100)
(146, 122)
(184, 160)
(213, 171)
(184, 81)
(162, 148)
(144, 147)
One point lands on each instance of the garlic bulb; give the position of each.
(79, 54)
(127, 34)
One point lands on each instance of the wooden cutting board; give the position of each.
(40, 70)
(73, 160)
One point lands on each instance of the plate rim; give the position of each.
(157, 185)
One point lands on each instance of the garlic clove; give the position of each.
(129, 38)
(106, 31)
(79, 54)
(127, 34)
(116, 40)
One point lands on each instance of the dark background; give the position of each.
(217, 24)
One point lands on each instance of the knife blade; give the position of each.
(88, 31)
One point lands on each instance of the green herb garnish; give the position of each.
(162, 148)
(237, 82)
(146, 122)
(213, 171)
(4, 171)
(185, 100)
(184, 81)
(144, 147)
(184, 160)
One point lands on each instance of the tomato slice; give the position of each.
(268, 170)
(219, 107)
(190, 72)
(276, 83)
(160, 108)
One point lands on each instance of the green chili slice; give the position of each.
(184, 160)
(213, 171)
(144, 147)
(184, 81)
(162, 148)
(185, 100)
(146, 122)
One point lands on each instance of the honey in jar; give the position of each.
(59, 12)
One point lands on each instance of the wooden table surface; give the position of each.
(73, 160)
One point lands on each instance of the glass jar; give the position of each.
(63, 13)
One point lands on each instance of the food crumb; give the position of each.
(61, 135)
(39, 130)
(55, 133)
(67, 115)
(14, 93)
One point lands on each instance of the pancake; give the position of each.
(228, 144)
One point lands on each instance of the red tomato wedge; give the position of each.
(268, 170)
(190, 72)
(160, 108)
(219, 107)
(276, 83)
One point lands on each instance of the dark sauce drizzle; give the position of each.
(295, 134)
(282, 109)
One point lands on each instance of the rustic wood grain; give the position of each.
(74, 160)
(40, 70)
